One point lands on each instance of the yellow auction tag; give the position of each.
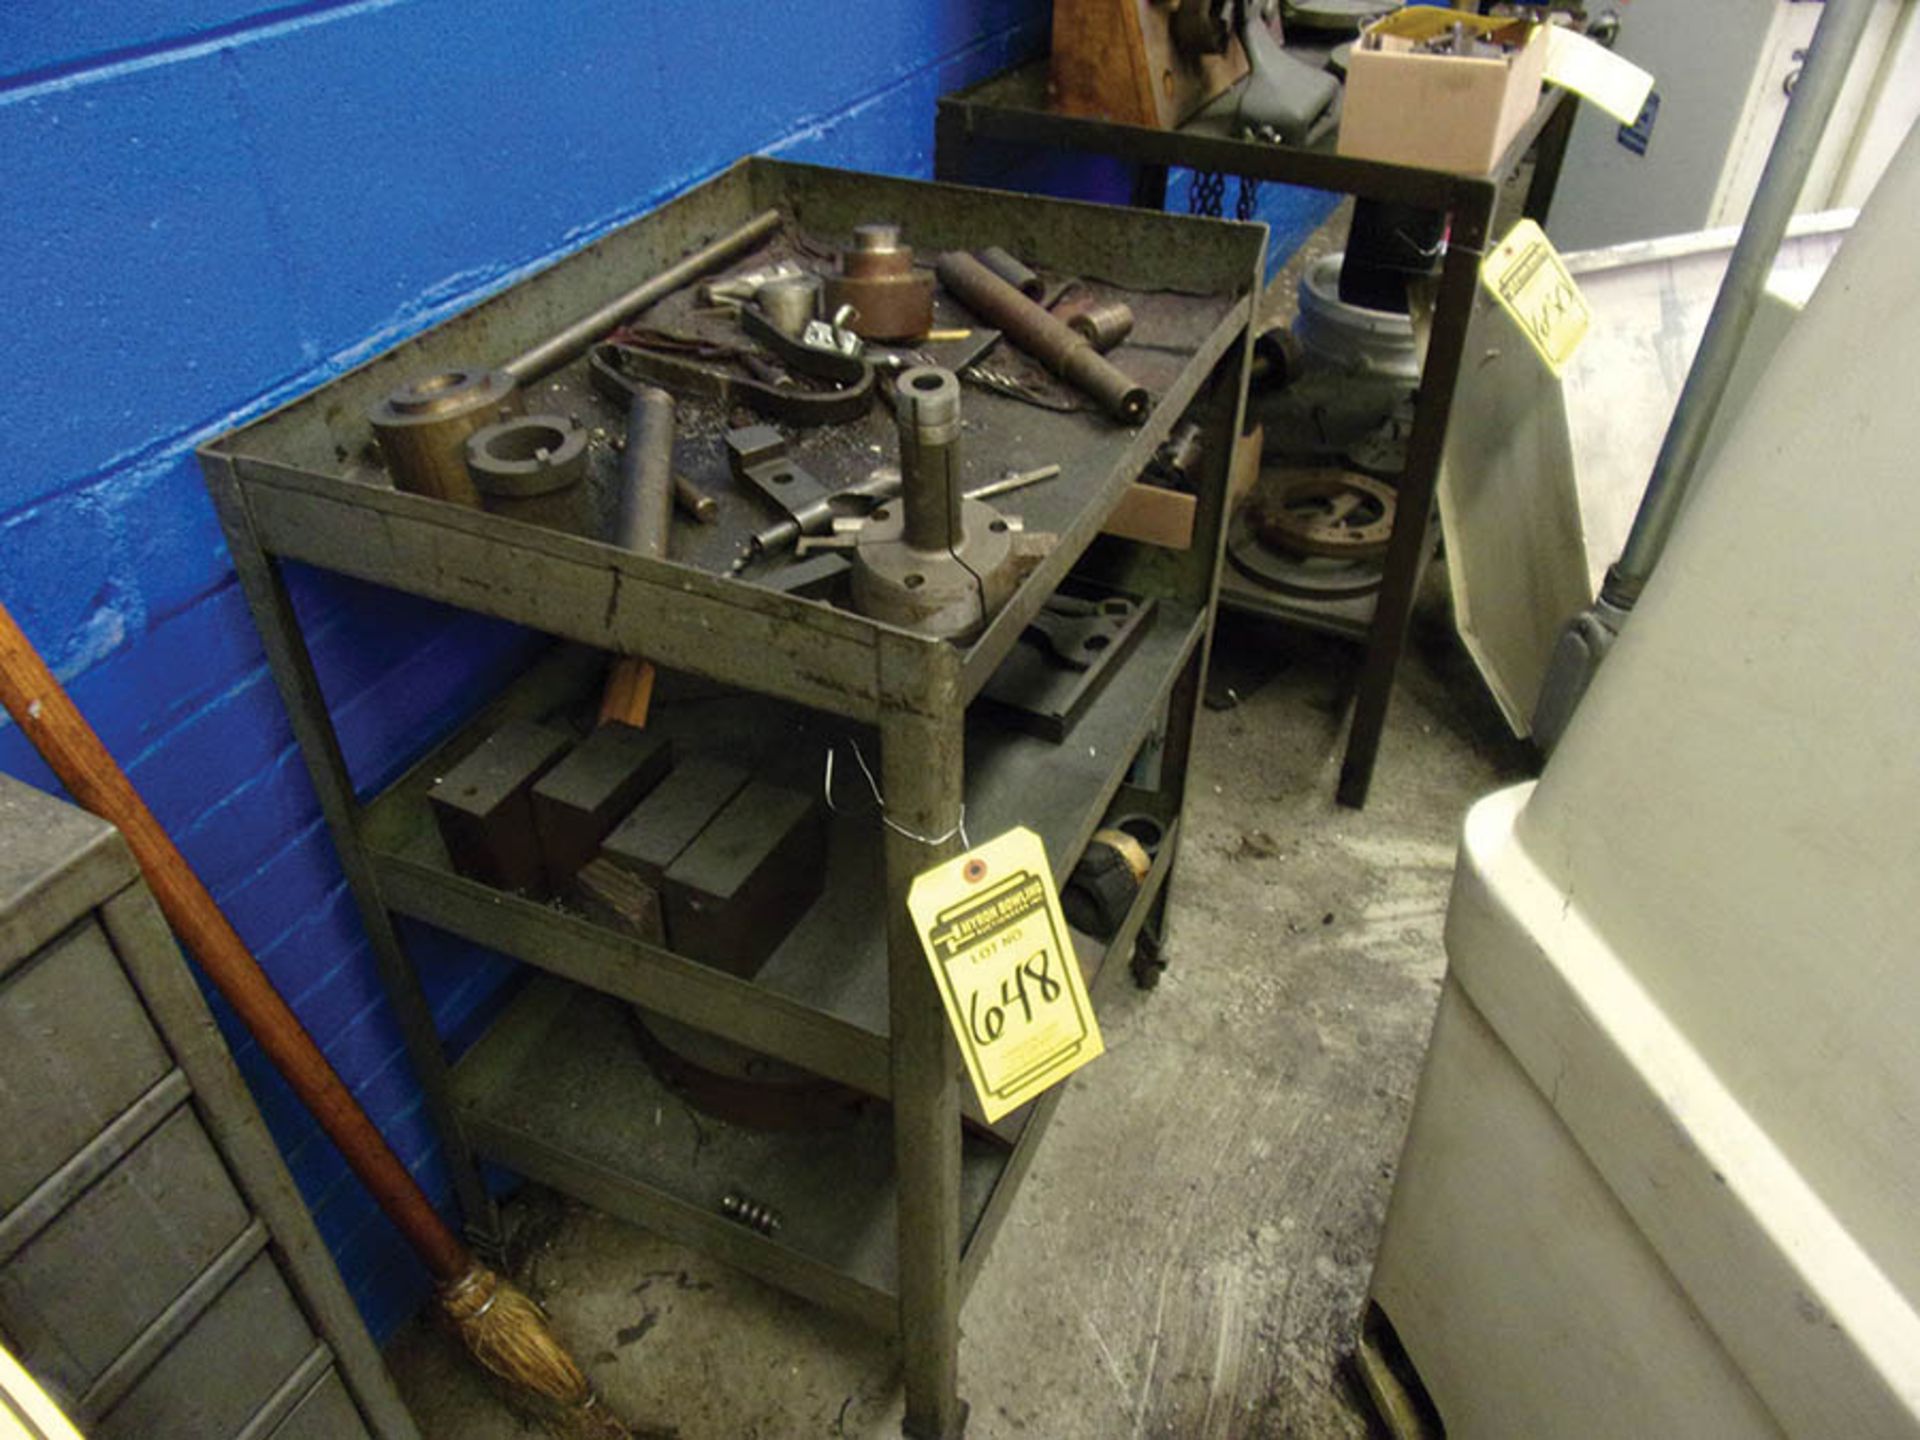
(1525, 275)
(990, 923)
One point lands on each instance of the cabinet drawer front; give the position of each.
(76, 1048)
(325, 1414)
(217, 1375)
(82, 1289)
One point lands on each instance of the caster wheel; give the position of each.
(1149, 962)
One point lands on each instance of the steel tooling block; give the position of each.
(579, 801)
(484, 806)
(666, 822)
(737, 889)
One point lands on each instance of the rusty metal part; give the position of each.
(1105, 323)
(790, 303)
(936, 561)
(1334, 513)
(1066, 655)
(530, 468)
(694, 502)
(758, 456)
(737, 290)
(616, 369)
(1176, 464)
(1305, 577)
(646, 475)
(423, 426)
(891, 300)
(1067, 354)
(1003, 264)
(568, 344)
(750, 1213)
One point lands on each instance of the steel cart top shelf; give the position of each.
(895, 1227)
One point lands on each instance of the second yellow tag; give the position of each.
(990, 924)
(1525, 275)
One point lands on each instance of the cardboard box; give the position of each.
(1153, 516)
(1408, 105)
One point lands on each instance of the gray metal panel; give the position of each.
(223, 1370)
(83, 1289)
(56, 863)
(134, 923)
(76, 1048)
(325, 1413)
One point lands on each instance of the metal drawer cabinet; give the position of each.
(158, 1271)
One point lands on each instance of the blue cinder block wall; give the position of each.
(213, 205)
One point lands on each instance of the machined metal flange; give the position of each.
(423, 426)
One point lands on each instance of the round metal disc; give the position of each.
(1305, 577)
(1334, 513)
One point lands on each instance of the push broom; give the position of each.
(500, 1326)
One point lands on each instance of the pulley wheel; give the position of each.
(1305, 577)
(1338, 514)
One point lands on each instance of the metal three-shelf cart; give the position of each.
(888, 1219)
(986, 129)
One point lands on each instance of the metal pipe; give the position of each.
(1812, 102)
(1067, 354)
(646, 475)
(928, 405)
(1009, 269)
(550, 354)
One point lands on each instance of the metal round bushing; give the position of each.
(526, 456)
(927, 397)
(423, 428)
(890, 299)
(1105, 323)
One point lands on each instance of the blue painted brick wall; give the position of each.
(214, 205)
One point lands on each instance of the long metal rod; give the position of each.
(1812, 102)
(556, 350)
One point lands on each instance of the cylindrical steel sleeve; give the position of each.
(646, 474)
(1062, 351)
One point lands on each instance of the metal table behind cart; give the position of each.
(1009, 111)
(889, 1220)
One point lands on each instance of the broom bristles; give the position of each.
(507, 1332)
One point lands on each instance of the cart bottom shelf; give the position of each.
(557, 1091)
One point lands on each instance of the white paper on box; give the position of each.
(1593, 72)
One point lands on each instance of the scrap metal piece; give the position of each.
(1003, 264)
(757, 455)
(936, 561)
(694, 502)
(484, 806)
(1066, 655)
(1065, 352)
(747, 285)
(790, 303)
(1335, 513)
(423, 425)
(568, 344)
(1176, 464)
(891, 300)
(750, 1213)
(1104, 323)
(617, 369)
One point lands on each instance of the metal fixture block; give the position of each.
(736, 891)
(484, 806)
(578, 802)
(666, 822)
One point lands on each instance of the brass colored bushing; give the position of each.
(891, 300)
(423, 428)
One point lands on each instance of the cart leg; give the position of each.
(921, 779)
(1409, 544)
(287, 656)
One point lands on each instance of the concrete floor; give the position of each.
(1190, 1252)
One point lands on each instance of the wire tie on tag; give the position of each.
(826, 786)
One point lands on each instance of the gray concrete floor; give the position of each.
(1190, 1252)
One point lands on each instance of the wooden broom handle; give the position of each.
(49, 718)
